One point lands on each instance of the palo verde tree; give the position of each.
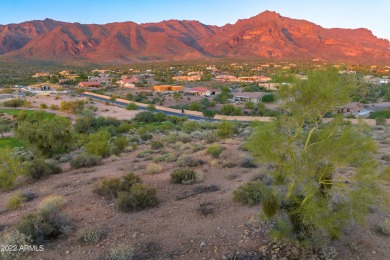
(324, 173)
(48, 136)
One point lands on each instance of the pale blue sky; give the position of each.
(371, 14)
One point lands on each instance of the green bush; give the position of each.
(120, 253)
(98, 143)
(225, 129)
(48, 223)
(16, 201)
(188, 161)
(210, 137)
(251, 193)
(155, 145)
(85, 160)
(139, 197)
(13, 103)
(384, 227)
(17, 239)
(229, 164)
(121, 142)
(39, 168)
(146, 137)
(183, 176)
(153, 168)
(191, 126)
(248, 162)
(132, 106)
(110, 188)
(215, 150)
(92, 236)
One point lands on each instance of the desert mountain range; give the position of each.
(267, 36)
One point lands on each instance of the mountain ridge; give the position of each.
(267, 35)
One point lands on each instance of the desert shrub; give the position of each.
(210, 137)
(385, 175)
(43, 106)
(171, 138)
(229, 164)
(153, 168)
(110, 188)
(121, 142)
(48, 223)
(14, 238)
(85, 160)
(54, 166)
(384, 227)
(188, 161)
(144, 153)
(54, 107)
(160, 158)
(184, 138)
(225, 129)
(156, 145)
(248, 162)
(13, 103)
(183, 176)
(98, 143)
(29, 196)
(39, 168)
(92, 236)
(132, 106)
(191, 126)
(139, 197)
(251, 193)
(215, 150)
(386, 157)
(145, 137)
(16, 201)
(171, 158)
(197, 148)
(120, 253)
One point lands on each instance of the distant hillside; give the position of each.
(265, 36)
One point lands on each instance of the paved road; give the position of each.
(122, 104)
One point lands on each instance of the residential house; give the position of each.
(225, 78)
(254, 97)
(201, 91)
(89, 84)
(254, 79)
(105, 79)
(187, 78)
(167, 88)
(351, 108)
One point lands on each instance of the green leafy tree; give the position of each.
(10, 169)
(308, 158)
(208, 113)
(98, 143)
(48, 136)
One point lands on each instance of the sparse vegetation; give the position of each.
(48, 223)
(16, 201)
(85, 160)
(215, 150)
(153, 168)
(183, 176)
(92, 235)
(137, 198)
(251, 193)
